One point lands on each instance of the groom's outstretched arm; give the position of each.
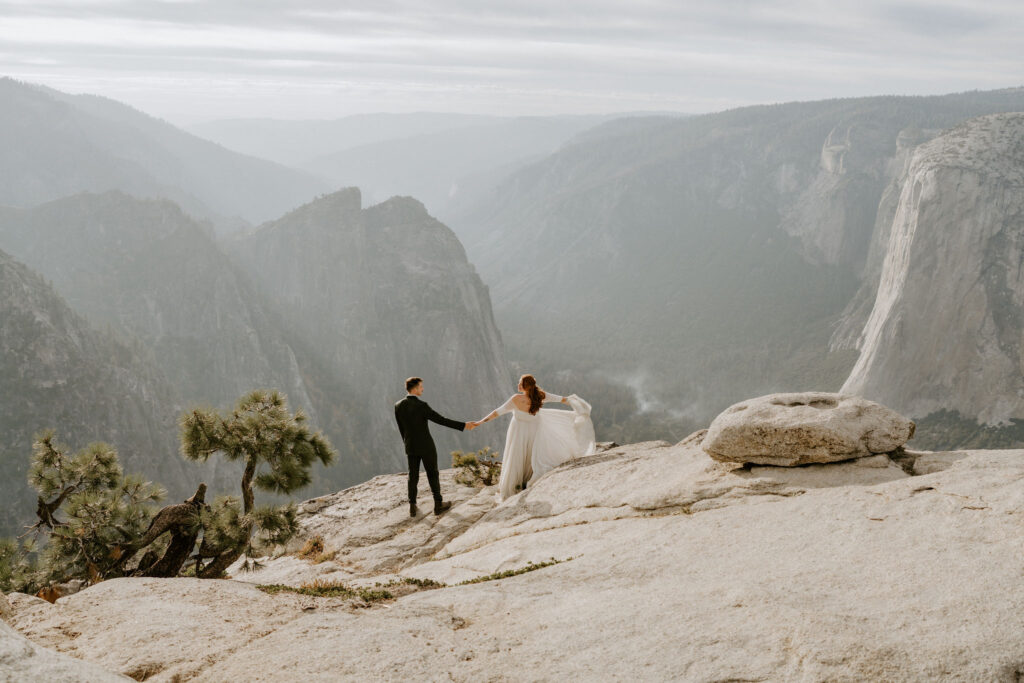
(434, 416)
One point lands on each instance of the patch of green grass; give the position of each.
(329, 589)
(423, 583)
(337, 589)
(530, 567)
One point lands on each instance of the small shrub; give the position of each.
(313, 547)
(325, 556)
(315, 550)
(477, 469)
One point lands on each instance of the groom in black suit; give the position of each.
(412, 415)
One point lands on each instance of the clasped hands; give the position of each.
(470, 426)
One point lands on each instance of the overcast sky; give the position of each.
(189, 61)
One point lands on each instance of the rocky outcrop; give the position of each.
(372, 296)
(798, 429)
(952, 263)
(672, 566)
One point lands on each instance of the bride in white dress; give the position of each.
(540, 440)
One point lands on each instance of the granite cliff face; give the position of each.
(149, 272)
(58, 372)
(369, 297)
(945, 329)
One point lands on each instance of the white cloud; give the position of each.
(186, 59)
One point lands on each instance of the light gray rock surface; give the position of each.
(682, 568)
(22, 661)
(803, 428)
(930, 463)
(367, 530)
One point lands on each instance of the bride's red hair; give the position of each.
(529, 386)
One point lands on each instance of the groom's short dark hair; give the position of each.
(411, 383)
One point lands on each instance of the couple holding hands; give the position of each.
(537, 441)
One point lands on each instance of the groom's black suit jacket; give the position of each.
(412, 415)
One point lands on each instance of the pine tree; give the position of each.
(278, 450)
(93, 512)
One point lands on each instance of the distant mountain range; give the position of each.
(294, 142)
(148, 272)
(440, 159)
(55, 144)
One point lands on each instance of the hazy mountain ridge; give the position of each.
(151, 273)
(58, 372)
(733, 241)
(369, 297)
(58, 144)
(440, 167)
(295, 142)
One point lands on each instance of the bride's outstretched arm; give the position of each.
(506, 407)
(554, 398)
(494, 414)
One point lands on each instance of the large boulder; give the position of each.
(799, 429)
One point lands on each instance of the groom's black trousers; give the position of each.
(429, 461)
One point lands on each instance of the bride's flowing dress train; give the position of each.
(538, 443)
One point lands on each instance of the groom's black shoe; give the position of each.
(441, 508)
(412, 510)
